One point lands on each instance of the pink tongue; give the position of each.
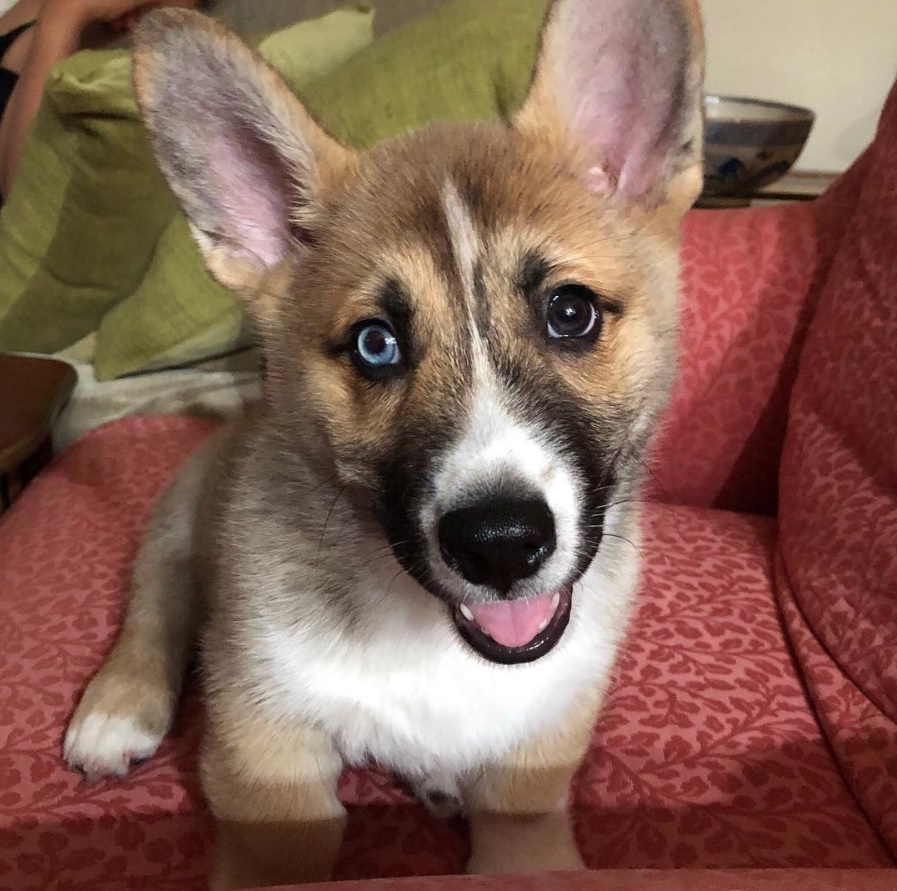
(513, 623)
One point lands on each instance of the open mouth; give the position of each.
(515, 631)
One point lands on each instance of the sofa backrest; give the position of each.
(750, 283)
(838, 488)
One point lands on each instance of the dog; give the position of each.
(420, 549)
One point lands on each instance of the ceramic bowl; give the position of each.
(750, 143)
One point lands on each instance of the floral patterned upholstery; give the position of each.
(752, 718)
(750, 282)
(706, 753)
(838, 512)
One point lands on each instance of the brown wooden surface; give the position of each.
(645, 880)
(32, 390)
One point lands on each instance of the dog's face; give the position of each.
(485, 353)
(473, 326)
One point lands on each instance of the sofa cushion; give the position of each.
(87, 169)
(746, 277)
(706, 753)
(838, 503)
(464, 61)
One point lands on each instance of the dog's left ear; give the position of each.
(618, 86)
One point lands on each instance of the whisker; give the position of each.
(655, 479)
(402, 571)
(387, 547)
(628, 541)
(326, 521)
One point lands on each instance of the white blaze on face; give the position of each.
(497, 451)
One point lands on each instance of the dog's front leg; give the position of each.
(273, 793)
(519, 809)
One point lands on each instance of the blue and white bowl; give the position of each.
(750, 143)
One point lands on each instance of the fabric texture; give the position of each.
(643, 880)
(81, 229)
(441, 67)
(176, 315)
(750, 282)
(706, 754)
(72, 241)
(838, 511)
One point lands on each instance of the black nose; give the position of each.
(499, 541)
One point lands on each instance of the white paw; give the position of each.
(100, 745)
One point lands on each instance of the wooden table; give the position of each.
(32, 392)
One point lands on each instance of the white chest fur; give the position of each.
(405, 691)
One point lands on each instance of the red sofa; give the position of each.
(752, 719)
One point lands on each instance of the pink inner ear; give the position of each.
(252, 194)
(617, 72)
(228, 137)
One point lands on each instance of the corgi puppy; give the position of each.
(421, 548)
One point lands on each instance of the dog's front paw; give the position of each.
(118, 722)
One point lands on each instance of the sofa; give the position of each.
(752, 722)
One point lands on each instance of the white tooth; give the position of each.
(555, 600)
(542, 625)
(465, 611)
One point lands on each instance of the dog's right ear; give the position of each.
(620, 84)
(245, 159)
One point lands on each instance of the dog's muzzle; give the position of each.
(496, 543)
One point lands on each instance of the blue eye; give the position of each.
(375, 348)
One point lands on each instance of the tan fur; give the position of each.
(322, 429)
(273, 791)
(518, 810)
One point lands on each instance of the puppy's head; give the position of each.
(471, 327)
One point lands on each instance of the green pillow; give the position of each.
(80, 229)
(178, 314)
(71, 243)
(468, 60)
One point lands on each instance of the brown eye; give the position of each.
(572, 313)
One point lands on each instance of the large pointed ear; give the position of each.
(620, 83)
(242, 155)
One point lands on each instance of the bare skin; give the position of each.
(63, 27)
